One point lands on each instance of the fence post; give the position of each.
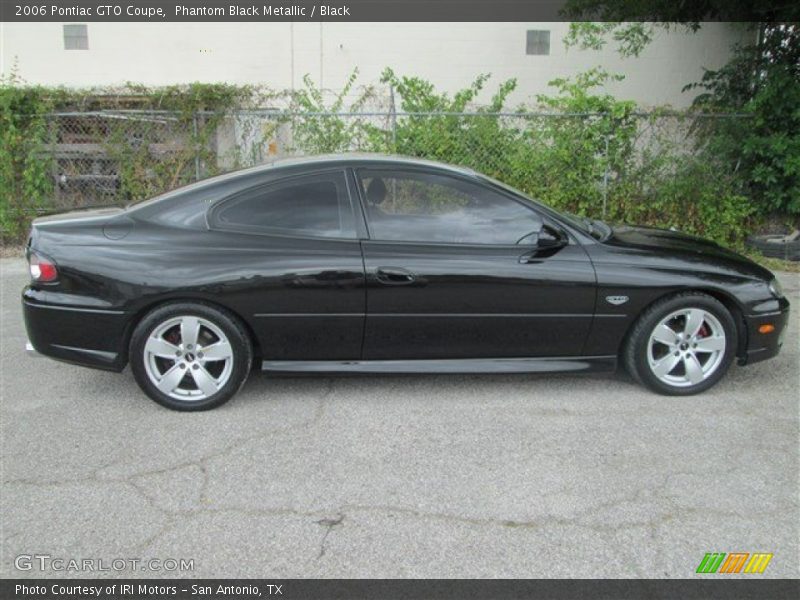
(195, 143)
(394, 120)
(605, 176)
(52, 131)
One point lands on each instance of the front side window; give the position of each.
(312, 205)
(428, 207)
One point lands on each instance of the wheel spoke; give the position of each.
(665, 335)
(170, 380)
(160, 347)
(190, 329)
(220, 351)
(204, 380)
(694, 321)
(696, 350)
(665, 365)
(710, 344)
(184, 375)
(694, 370)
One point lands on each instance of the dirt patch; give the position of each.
(12, 251)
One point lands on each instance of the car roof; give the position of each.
(344, 159)
(335, 159)
(362, 157)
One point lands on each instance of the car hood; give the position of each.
(668, 242)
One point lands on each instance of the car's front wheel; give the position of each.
(190, 356)
(681, 345)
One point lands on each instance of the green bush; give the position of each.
(581, 156)
(578, 149)
(27, 169)
(196, 112)
(763, 82)
(694, 198)
(26, 182)
(317, 133)
(575, 153)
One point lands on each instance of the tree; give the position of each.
(761, 81)
(686, 13)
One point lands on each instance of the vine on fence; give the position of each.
(25, 179)
(578, 149)
(585, 154)
(146, 163)
(313, 129)
(195, 112)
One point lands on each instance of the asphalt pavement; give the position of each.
(395, 476)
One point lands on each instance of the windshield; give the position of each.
(594, 227)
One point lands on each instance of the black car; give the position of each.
(383, 264)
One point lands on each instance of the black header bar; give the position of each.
(288, 10)
(378, 10)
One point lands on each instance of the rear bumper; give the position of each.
(82, 335)
(761, 346)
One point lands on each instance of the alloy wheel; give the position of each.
(188, 358)
(686, 347)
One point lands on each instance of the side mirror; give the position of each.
(551, 240)
(545, 243)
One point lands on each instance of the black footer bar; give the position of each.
(405, 589)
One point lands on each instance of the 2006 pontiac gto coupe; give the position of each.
(383, 264)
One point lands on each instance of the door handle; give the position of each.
(394, 276)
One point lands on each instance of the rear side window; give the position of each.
(315, 205)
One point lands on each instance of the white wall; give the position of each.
(279, 54)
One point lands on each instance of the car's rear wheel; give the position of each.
(190, 356)
(681, 345)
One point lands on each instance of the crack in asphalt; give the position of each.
(173, 516)
(581, 519)
(328, 524)
(647, 505)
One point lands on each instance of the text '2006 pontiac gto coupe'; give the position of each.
(383, 264)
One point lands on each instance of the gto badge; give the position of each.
(617, 300)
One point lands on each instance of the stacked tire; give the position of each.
(786, 247)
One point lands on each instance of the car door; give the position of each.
(290, 260)
(452, 271)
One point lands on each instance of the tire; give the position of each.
(787, 250)
(649, 354)
(180, 375)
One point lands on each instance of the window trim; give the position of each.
(214, 224)
(447, 174)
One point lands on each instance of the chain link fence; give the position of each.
(604, 165)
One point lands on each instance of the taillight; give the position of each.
(43, 270)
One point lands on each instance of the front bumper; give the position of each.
(761, 346)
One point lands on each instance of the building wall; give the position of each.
(279, 54)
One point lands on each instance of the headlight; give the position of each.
(775, 288)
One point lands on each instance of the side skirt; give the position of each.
(587, 364)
